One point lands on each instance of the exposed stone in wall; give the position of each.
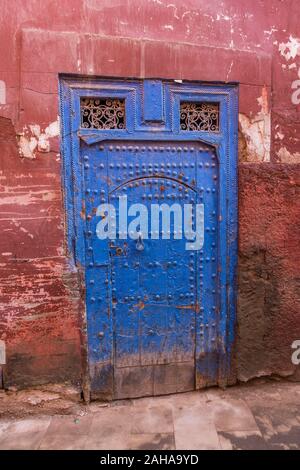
(287, 157)
(255, 133)
(8, 138)
(33, 139)
(256, 137)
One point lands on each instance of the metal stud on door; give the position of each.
(160, 316)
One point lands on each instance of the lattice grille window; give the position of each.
(102, 113)
(199, 116)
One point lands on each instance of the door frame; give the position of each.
(71, 89)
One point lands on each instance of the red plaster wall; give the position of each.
(235, 40)
(269, 260)
(39, 317)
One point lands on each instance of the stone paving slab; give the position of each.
(24, 434)
(232, 415)
(259, 416)
(152, 420)
(242, 440)
(66, 433)
(194, 428)
(280, 425)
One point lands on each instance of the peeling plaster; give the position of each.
(28, 198)
(279, 135)
(2, 92)
(288, 157)
(168, 26)
(27, 146)
(289, 50)
(222, 17)
(171, 5)
(33, 139)
(271, 31)
(296, 94)
(98, 6)
(256, 132)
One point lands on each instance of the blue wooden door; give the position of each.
(160, 311)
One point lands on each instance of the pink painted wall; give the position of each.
(254, 43)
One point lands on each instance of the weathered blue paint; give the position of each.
(160, 319)
(153, 101)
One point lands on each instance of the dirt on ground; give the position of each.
(66, 399)
(47, 400)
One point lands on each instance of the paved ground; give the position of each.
(263, 415)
